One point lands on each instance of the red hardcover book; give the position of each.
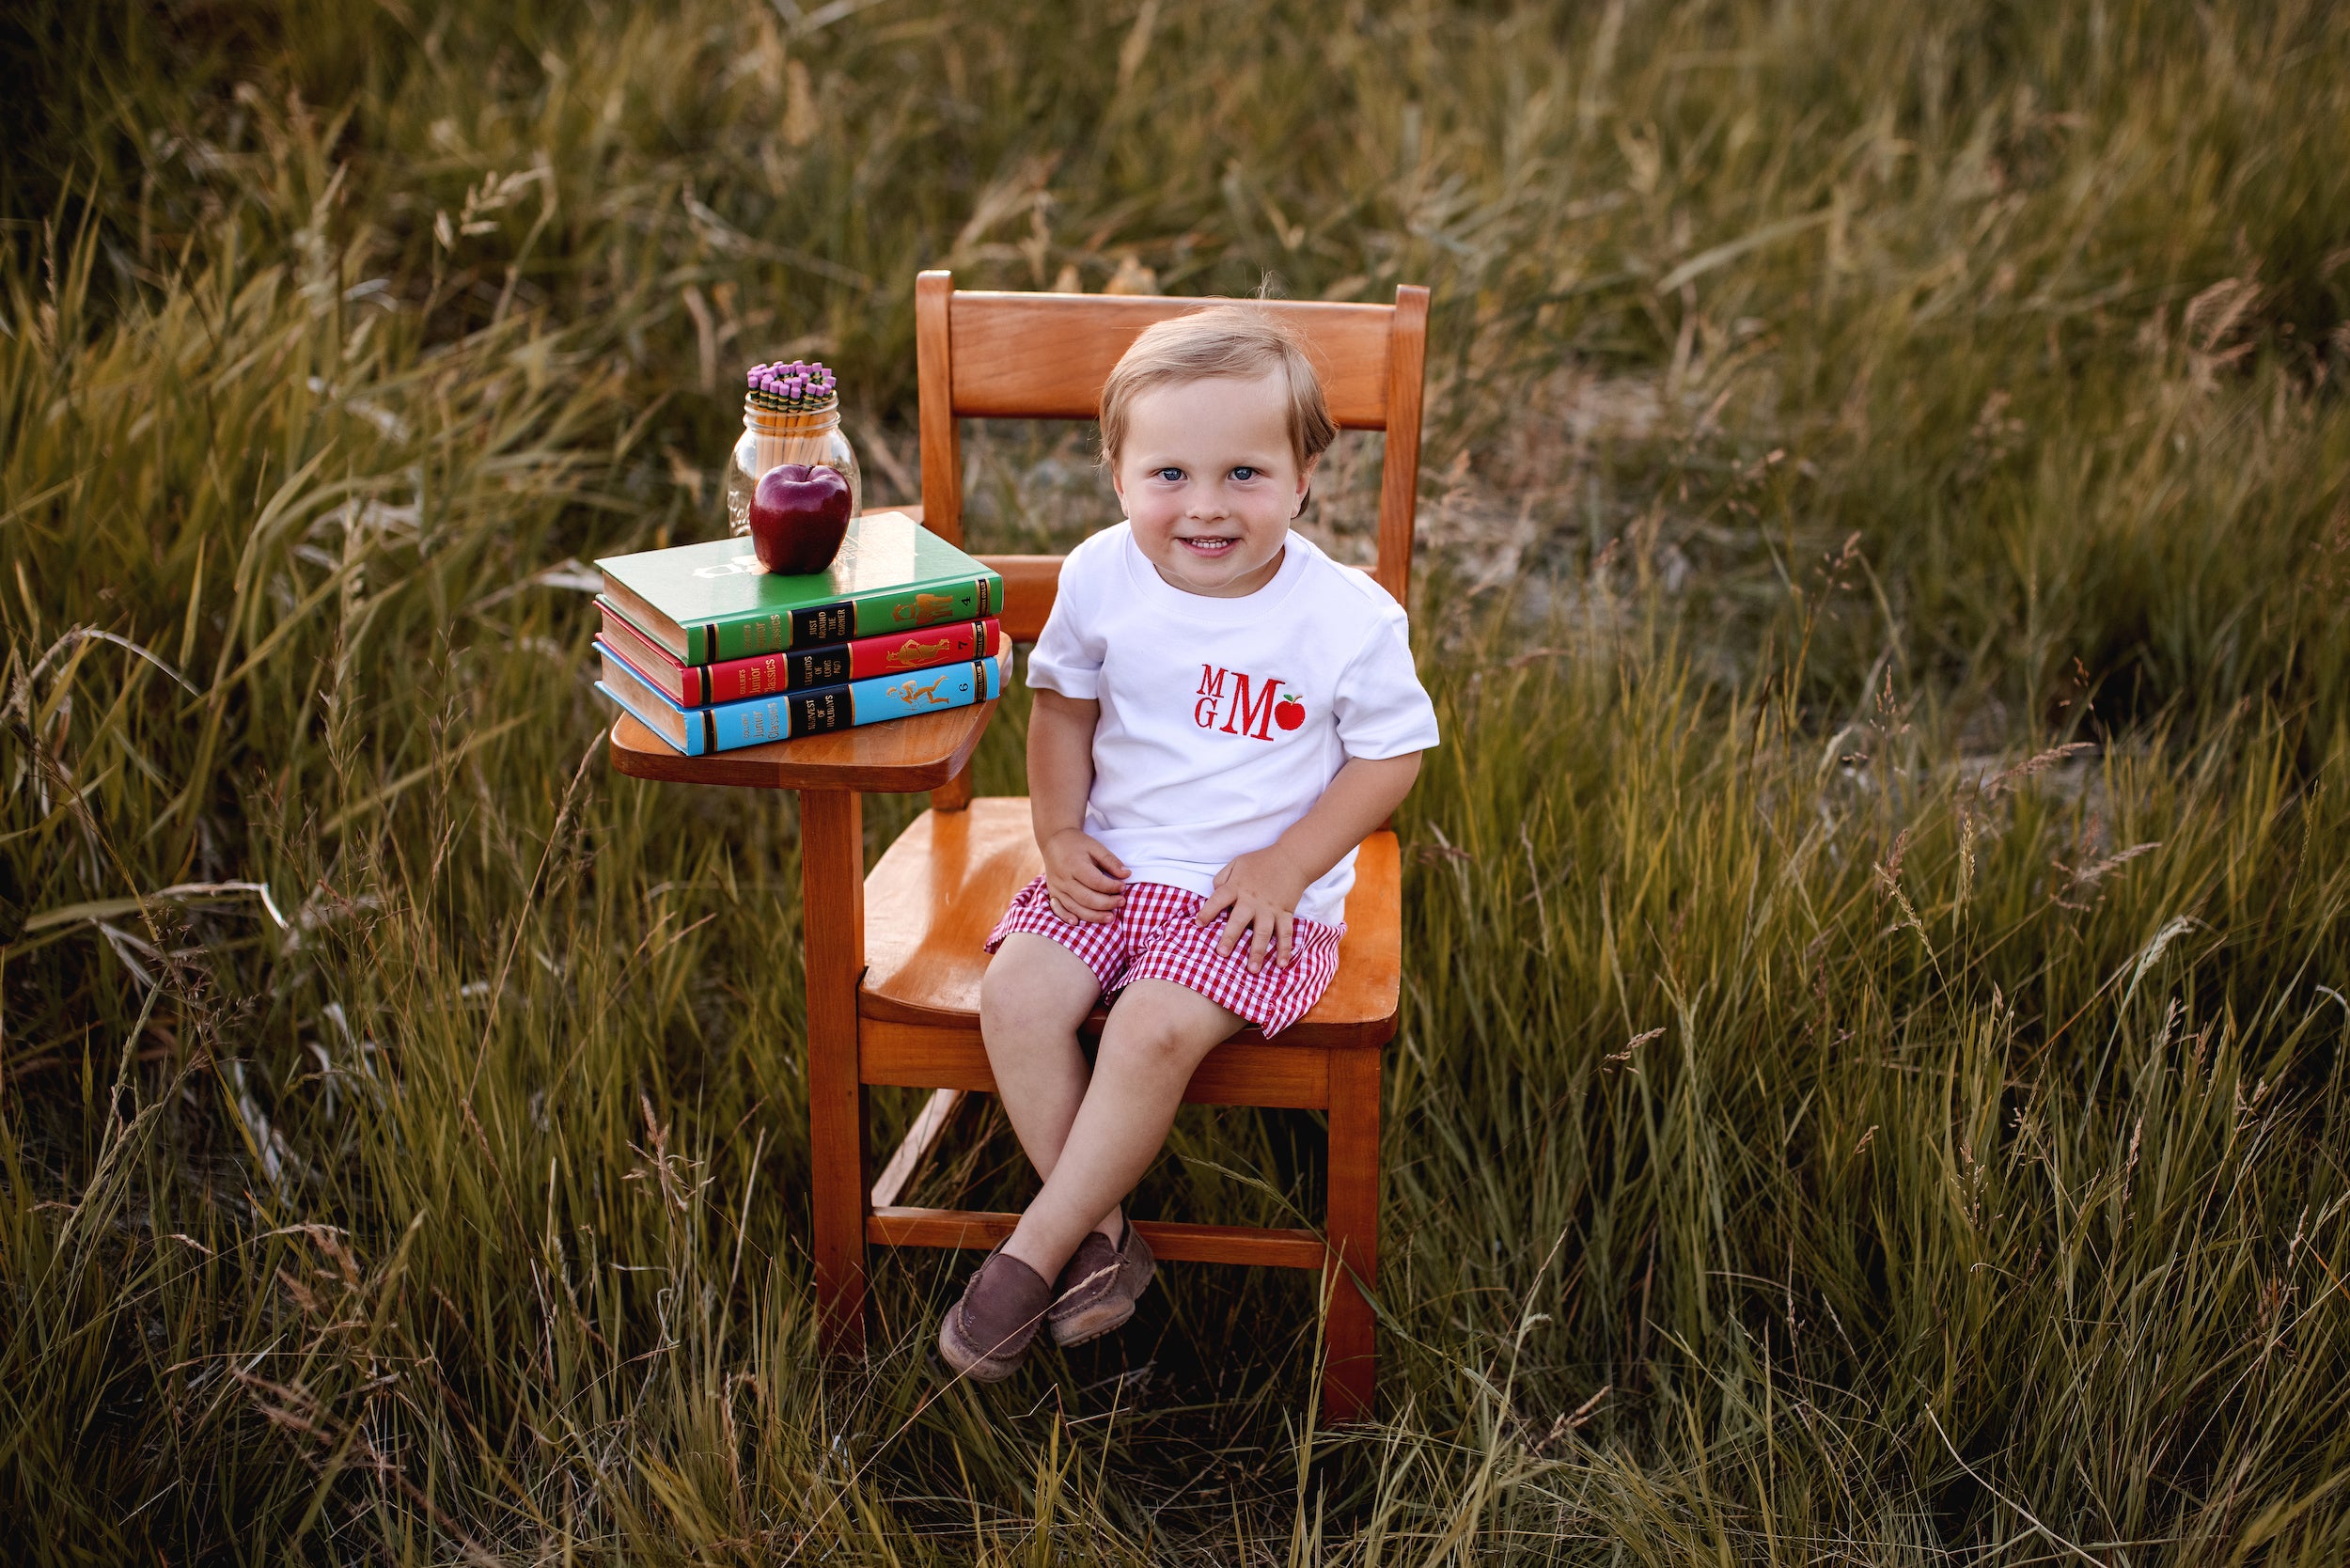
(800, 669)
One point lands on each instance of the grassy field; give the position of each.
(1873, 1084)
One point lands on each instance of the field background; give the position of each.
(1872, 1077)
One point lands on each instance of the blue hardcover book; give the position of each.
(788, 715)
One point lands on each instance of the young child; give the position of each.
(1222, 713)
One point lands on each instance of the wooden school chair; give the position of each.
(894, 959)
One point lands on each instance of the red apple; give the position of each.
(1289, 712)
(799, 516)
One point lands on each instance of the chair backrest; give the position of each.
(1045, 356)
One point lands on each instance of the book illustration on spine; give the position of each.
(917, 697)
(925, 609)
(913, 653)
(792, 714)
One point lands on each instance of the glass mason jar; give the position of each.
(809, 437)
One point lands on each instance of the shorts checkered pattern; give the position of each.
(1152, 937)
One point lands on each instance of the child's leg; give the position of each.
(1036, 995)
(1156, 1036)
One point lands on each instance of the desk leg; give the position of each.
(1350, 1349)
(832, 890)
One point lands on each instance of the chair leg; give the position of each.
(831, 886)
(1350, 1354)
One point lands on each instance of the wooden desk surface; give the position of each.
(901, 756)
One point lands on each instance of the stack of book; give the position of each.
(710, 653)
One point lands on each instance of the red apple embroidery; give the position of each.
(1290, 713)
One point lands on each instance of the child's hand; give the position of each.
(1082, 878)
(1260, 890)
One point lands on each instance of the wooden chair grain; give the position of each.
(893, 959)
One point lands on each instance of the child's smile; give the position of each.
(1210, 482)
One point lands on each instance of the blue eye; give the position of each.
(1169, 475)
(1243, 472)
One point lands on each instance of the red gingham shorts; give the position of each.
(1152, 937)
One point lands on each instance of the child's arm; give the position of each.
(1262, 888)
(1081, 876)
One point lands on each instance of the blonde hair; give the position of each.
(1235, 340)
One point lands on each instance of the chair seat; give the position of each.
(941, 887)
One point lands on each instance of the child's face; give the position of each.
(1210, 483)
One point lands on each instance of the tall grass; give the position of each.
(1870, 1083)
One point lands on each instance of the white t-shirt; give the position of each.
(1223, 720)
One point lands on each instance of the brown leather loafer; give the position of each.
(1096, 1291)
(985, 1334)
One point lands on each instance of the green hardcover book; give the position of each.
(710, 601)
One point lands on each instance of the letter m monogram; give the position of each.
(1252, 718)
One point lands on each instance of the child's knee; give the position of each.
(1033, 982)
(1158, 1038)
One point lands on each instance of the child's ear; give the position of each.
(1305, 487)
